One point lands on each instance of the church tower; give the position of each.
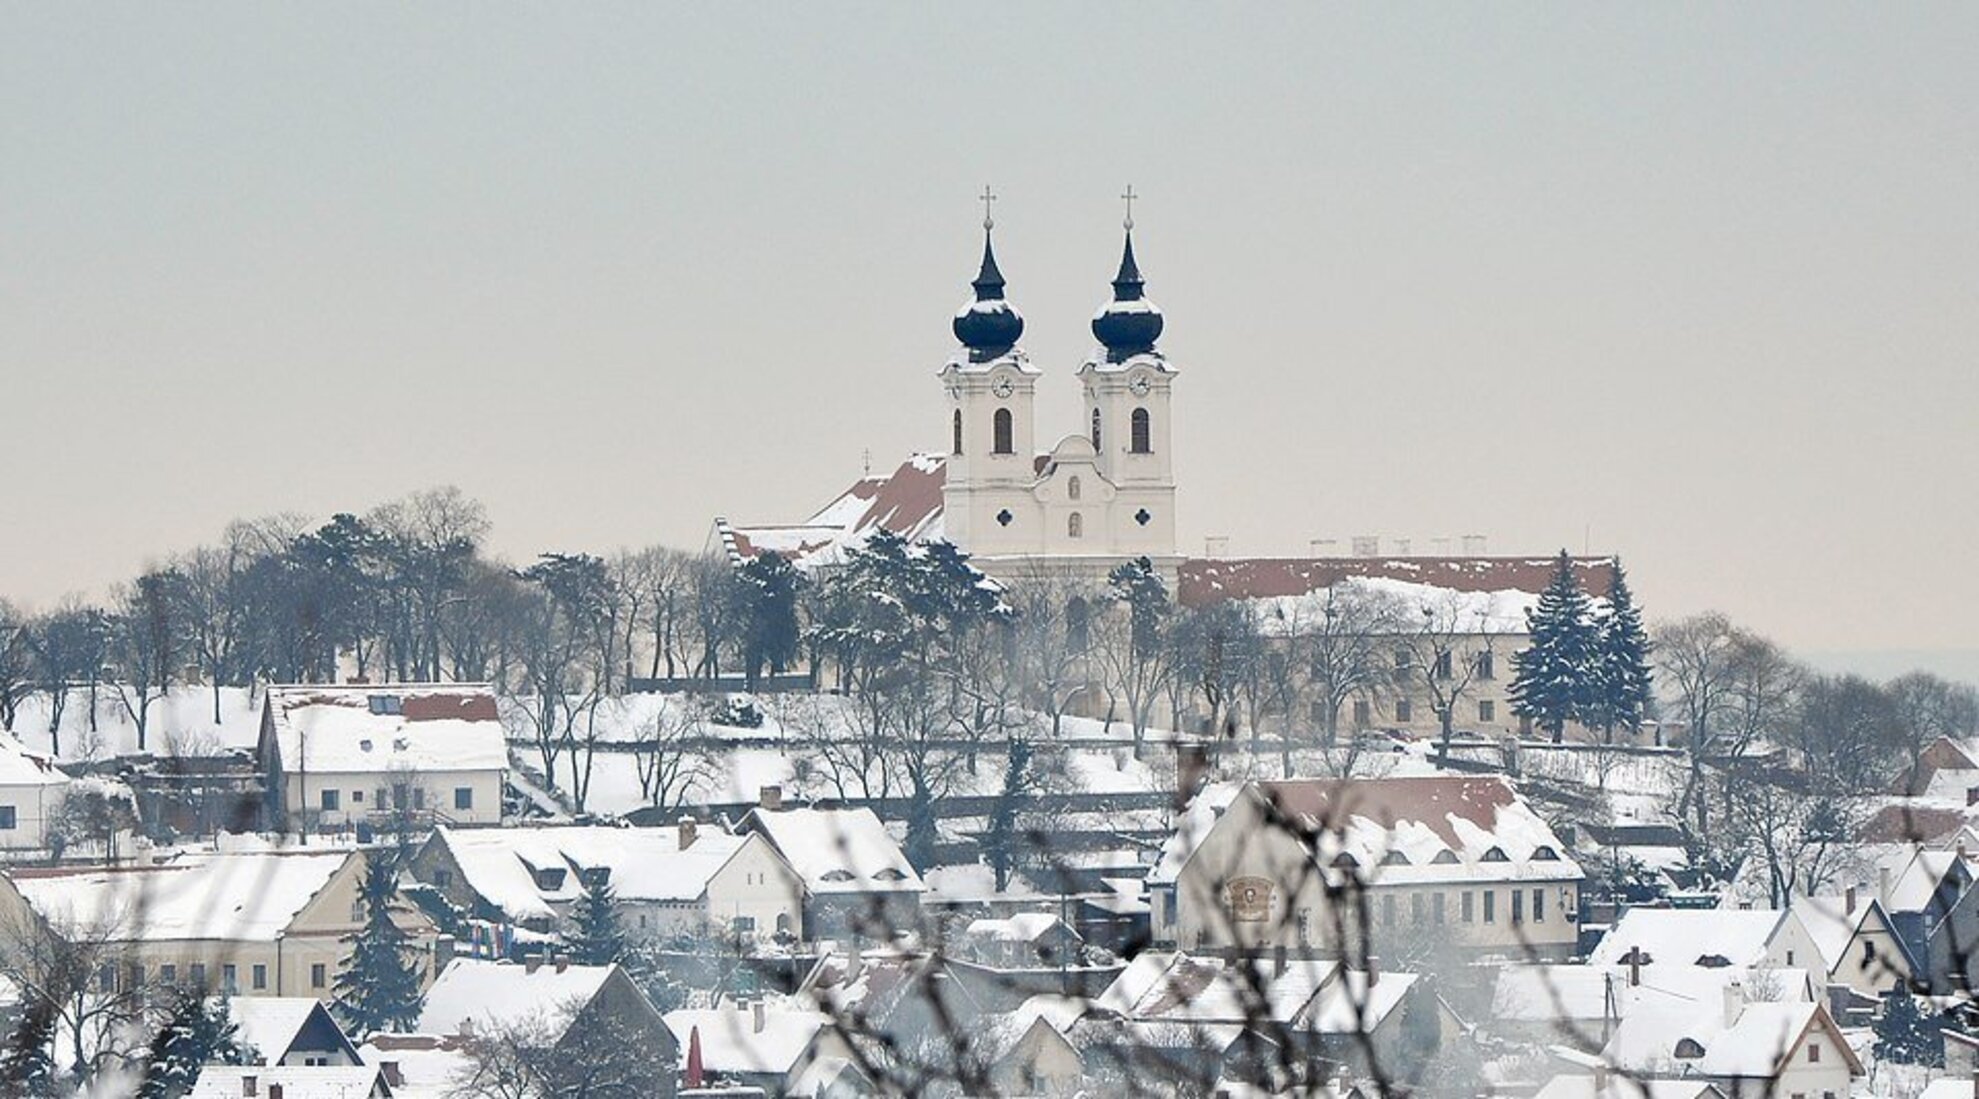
(990, 382)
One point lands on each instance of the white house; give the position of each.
(31, 789)
(337, 756)
(686, 878)
(1858, 942)
(292, 1030)
(1463, 860)
(857, 881)
(1712, 938)
(1771, 1048)
(757, 1044)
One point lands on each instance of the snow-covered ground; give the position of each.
(180, 723)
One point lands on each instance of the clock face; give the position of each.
(1139, 385)
(1002, 387)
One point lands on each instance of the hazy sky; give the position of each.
(1697, 285)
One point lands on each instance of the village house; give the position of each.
(755, 1044)
(1461, 860)
(1768, 1048)
(290, 1082)
(31, 790)
(580, 1011)
(337, 757)
(291, 1030)
(1022, 940)
(1579, 1006)
(857, 881)
(1928, 896)
(1858, 942)
(242, 923)
(686, 879)
(1712, 938)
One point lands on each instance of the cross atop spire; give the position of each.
(1129, 196)
(988, 197)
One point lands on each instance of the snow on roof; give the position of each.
(430, 1067)
(1022, 927)
(21, 767)
(1450, 609)
(1616, 1086)
(1542, 993)
(907, 502)
(839, 850)
(1313, 994)
(296, 1081)
(1690, 936)
(1415, 829)
(270, 1023)
(1833, 924)
(494, 994)
(364, 729)
(1918, 877)
(1210, 580)
(732, 1042)
(645, 864)
(249, 896)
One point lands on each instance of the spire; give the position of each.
(1128, 284)
(1129, 324)
(989, 326)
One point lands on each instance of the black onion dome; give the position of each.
(1130, 323)
(989, 326)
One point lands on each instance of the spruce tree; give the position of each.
(27, 1068)
(1624, 683)
(198, 1032)
(1556, 674)
(1906, 1034)
(378, 987)
(596, 937)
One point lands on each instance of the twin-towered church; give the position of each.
(1094, 499)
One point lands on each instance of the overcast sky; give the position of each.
(1698, 287)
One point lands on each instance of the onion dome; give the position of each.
(1130, 323)
(988, 326)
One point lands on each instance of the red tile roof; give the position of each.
(1429, 800)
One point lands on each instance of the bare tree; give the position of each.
(1053, 609)
(1344, 644)
(1930, 708)
(1448, 647)
(1695, 657)
(666, 756)
(83, 973)
(16, 663)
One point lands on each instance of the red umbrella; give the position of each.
(694, 1058)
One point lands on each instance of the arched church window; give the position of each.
(1075, 525)
(1095, 430)
(1072, 489)
(1141, 442)
(1078, 624)
(1000, 429)
(958, 431)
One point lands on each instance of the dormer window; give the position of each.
(836, 875)
(1713, 961)
(1344, 861)
(1444, 857)
(1394, 858)
(1543, 853)
(1494, 854)
(550, 879)
(1688, 1049)
(890, 874)
(383, 705)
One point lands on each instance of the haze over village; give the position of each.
(635, 551)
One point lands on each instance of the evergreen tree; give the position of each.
(597, 938)
(1905, 1034)
(378, 986)
(26, 1066)
(1557, 674)
(769, 586)
(198, 1032)
(1625, 688)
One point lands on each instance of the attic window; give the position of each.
(549, 878)
(1713, 961)
(1495, 854)
(386, 704)
(1344, 861)
(890, 874)
(1444, 857)
(398, 744)
(1543, 853)
(1688, 1049)
(1394, 858)
(365, 744)
(837, 875)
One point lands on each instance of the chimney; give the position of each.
(688, 830)
(250, 1085)
(274, 1091)
(563, 963)
(1972, 795)
(1635, 967)
(1734, 1001)
(1373, 971)
(1883, 885)
(532, 963)
(394, 1078)
(1848, 901)
(1279, 960)
(1191, 768)
(756, 1007)
(771, 798)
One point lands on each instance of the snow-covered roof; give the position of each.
(1916, 879)
(365, 729)
(1449, 610)
(907, 502)
(1405, 830)
(1211, 580)
(645, 864)
(296, 1081)
(21, 767)
(1022, 927)
(1548, 993)
(271, 1023)
(1738, 938)
(495, 994)
(1312, 994)
(1833, 924)
(250, 896)
(732, 1041)
(1618, 1086)
(838, 850)
(1752, 1046)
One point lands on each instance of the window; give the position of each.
(783, 923)
(1493, 854)
(1688, 1049)
(1404, 712)
(357, 797)
(168, 973)
(1415, 908)
(385, 704)
(463, 797)
(1363, 713)
(1000, 432)
(199, 975)
(1075, 525)
(958, 431)
(230, 978)
(744, 925)
(379, 801)
(419, 797)
(1072, 488)
(1813, 1053)
(1138, 425)
(1868, 951)
(260, 976)
(1487, 710)
(317, 977)
(1436, 909)
(1443, 664)
(1539, 906)
(1095, 430)
(1305, 927)
(8, 818)
(1388, 910)
(1445, 857)
(1486, 667)
(1518, 907)
(399, 790)
(1394, 858)
(329, 801)
(1490, 906)
(1468, 909)
(134, 976)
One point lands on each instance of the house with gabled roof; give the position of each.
(1712, 938)
(757, 1044)
(1460, 857)
(338, 756)
(291, 1030)
(1858, 941)
(687, 878)
(1767, 1048)
(857, 880)
(575, 1011)
(31, 790)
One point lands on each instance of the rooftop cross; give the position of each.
(988, 197)
(1130, 196)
